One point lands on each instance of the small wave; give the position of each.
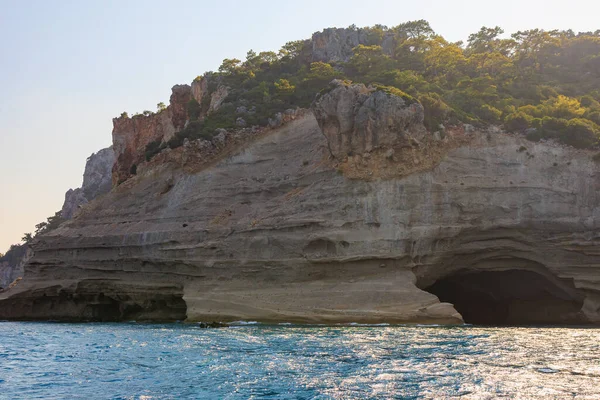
(285, 323)
(357, 324)
(244, 323)
(547, 370)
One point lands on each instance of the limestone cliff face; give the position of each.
(276, 233)
(132, 135)
(97, 180)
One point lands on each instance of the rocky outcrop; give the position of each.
(356, 119)
(97, 173)
(177, 110)
(199, 88)
(97, 180)
(74, 199)
(335, 45)
(132, 135)
(275, 233)
(217, 98)
(12, 265)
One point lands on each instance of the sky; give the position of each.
(68, 67)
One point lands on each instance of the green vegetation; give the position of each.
(543, 83)
(42, 228)
(153, 148)
(16, 252)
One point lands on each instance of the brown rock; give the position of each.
(132, 135)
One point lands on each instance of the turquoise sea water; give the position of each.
(138, 361)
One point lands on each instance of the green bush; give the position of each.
(581, 133)
(193, 109)
(153, 148)
(408, 99)
(517, 122)
(489, 114)
(436, 111)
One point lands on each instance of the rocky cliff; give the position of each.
(499, 230)
(12, 265)
(132, 135)
(97, 180)
(350, 213)
(356, 119)
(336, 44)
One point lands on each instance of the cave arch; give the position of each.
(510, 297)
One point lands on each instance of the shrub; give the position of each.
(176, 141)
(581, 133)
(193, 109)
(153, 148)
(594, 116)
(436, 111)
(517, 122)
(408, 99)
(489, 113)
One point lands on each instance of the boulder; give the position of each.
(276, 121)
(357, 119)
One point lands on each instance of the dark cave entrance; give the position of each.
(511, 297)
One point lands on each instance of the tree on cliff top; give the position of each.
(532, 79)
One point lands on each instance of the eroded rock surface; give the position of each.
(217, 98)
(275, 233)
(356, 119)
(97, 180)
(132, 135)
(335, 44)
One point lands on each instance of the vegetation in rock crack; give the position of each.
(542, 83)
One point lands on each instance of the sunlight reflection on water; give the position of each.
(131, 361)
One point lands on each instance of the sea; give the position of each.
(247, 360)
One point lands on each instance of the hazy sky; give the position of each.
(68, 67)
